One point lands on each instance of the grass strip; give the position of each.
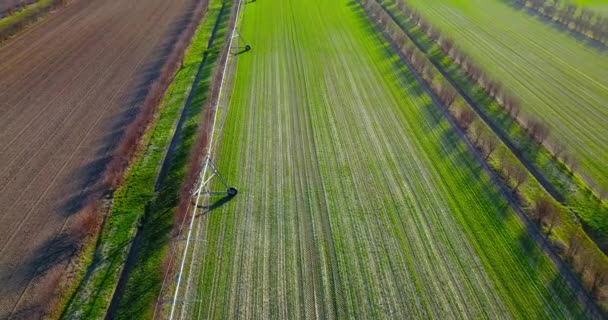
(143, 284)
(132, 199)
(12, 24)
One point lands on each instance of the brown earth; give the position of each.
(68, 87)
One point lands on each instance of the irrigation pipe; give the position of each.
(202, 183)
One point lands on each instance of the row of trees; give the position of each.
(582, 20)
(544, 211)
(484, 139)
(87, 222)
(537, 130)
(594, 276)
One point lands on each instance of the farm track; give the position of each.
(70, 85)
(356, 199)
(559, 80)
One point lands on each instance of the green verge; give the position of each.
(144, 283)
(356, 197)
(133, 198)
(578, 198)
(25, 13)
(600, 6)
(559, 79)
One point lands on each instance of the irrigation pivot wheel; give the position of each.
(232, 192)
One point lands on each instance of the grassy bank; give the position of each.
(131, 201)
(12, 24)
(144, 281)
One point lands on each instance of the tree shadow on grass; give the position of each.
(434, 114)
(558, 285)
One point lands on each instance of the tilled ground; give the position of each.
(68, 88)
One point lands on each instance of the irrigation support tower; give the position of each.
(201, 194)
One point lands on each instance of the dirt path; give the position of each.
(69, 86)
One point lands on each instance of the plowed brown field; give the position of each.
(68, 87)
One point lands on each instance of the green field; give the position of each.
(597, 5)
(558, 78)
(581, 205)
(356, 197)
(24, 13)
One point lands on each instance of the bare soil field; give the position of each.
(68, 87)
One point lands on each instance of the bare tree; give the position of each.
(575, 243)
(553, 220)
(85, 223)
(447, 95)
(465, 118)
(537, 130)
(572, 163)
(399, 41)
(543, 207)
(515, 111)
(489, 144)
(434, 34)
(517, 173)
(446, 46)
(558, 149)
(477, 129)
(427, 72)
(585, 259)
(599, 278)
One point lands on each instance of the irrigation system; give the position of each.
(208, 170)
